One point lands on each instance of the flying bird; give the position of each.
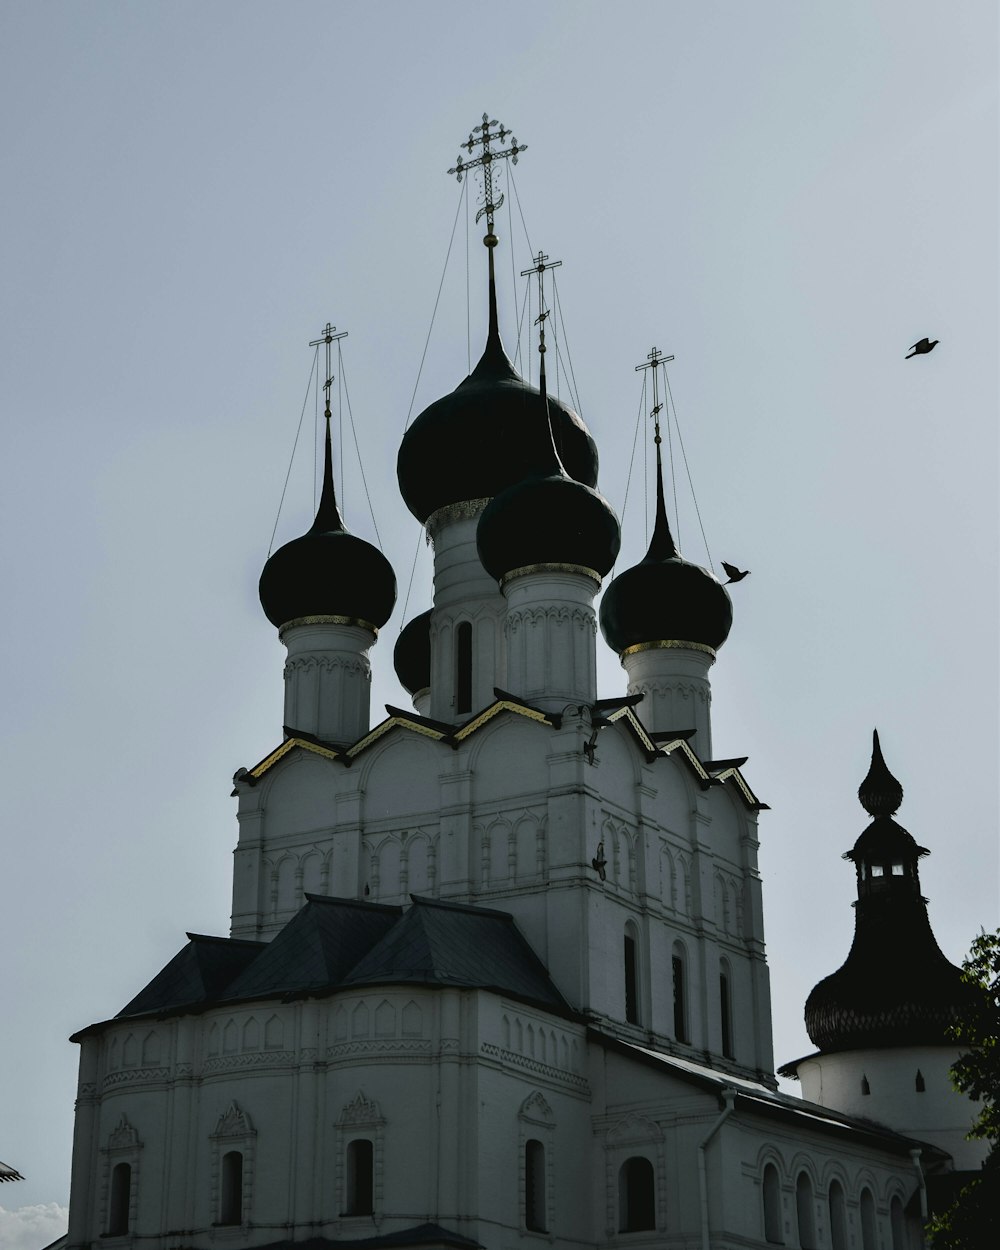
(735, 574)
(923, 347)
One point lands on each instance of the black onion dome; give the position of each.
(548, 520)
(664, 597)
(412, 654)
(471, 444)
(895, 988)
(328, 571)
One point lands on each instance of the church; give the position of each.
(496, 973)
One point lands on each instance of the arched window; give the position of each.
(463, 667)
(868, 1238)
(919, 1082)
(360, 1177)
(120, 1201)
(679, 969)
(231, 1191)
(838, 1216)
(772, 1206)
(726, 1011)
(636, 1196)
(897, 1223)
(805, 1212)
(534, 1186)
(631, 976)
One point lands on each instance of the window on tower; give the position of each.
(120, 1201)
(877, 870)
(636, 1196)
(631, 976)
(772, 1206)
(919, 1084)
(804, 1211)
(838, 1216)
(726, 1012)
(869, 1239)
(897, 870)
(360, 1178)
(679, 969)
(463, 667)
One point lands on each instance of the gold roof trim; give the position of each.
(502, 705)
(354, 621)
(464, 510)
(289, 744)
(673, 644)
(390, 723)
(526, 569)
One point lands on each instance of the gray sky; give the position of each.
(784, 196)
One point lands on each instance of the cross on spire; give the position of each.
(542, 262)
(484, 135)
(330, 336)
(654, 360)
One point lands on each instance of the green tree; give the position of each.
(972, 1222)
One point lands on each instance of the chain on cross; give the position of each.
(654, 360)
(330, 336)
(485, 135)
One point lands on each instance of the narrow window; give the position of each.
(121, 1196)
(866, 1089)
(463, 667)
(877, 870)
(534, 1186)
(631, 982)
(231, 1204)
(838, 1216)
(636, 1196)
(680, 997)
(805, 1212)
(897, 870)
(868, 1241)
(772, 1206)
(897, 1224)
(919, 1082)
(360, 1178)
(726, 1015)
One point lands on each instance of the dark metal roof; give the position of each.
(419, 1235)
(456, 944)
(7, 1173)
(197, 974)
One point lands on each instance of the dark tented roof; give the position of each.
(335, 943)
(455, 944)
(317, 948)
(197, 974)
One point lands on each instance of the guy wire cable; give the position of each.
(291, 458)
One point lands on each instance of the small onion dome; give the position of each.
(665, 597)
(471, 444)
(880, 793)
(328, 571)
(412, 655)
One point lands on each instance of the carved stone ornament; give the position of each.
(466, 510)
(537, 1109)
(123, 1136)
(361, 1110)
(234, 1123)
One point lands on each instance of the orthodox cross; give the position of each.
(329, 336)
(485, 135)
(542, 263)
(654, 361)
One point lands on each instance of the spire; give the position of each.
(485, 136)
(880, 793)
(661, 545)
(328, 518)
(542, 262)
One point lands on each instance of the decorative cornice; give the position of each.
(464, 510)
(354, 622)
(249, 1059)
(672, 644)
(534, 1065)
(580, 570)
(135, 1076)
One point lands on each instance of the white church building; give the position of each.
(496, 972)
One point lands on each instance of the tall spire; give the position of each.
(661, 545)
(328, 518)
(485, 136)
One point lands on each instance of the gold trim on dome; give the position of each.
(354, 621)
(526, 569)
(673, 644)
(464, 510)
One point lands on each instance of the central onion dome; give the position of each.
(664, 597)
(328, 571)
(472, 443)
(895, 988)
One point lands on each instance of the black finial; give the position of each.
(661, 545)
(880, 793)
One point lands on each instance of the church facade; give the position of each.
(496, 972)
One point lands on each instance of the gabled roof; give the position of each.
(198, 973)
(756, 1097)
(316, 949)
(439, 943)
